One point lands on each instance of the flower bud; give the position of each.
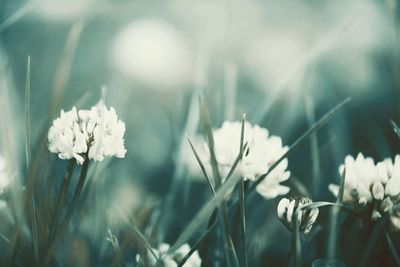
(378, 191)
(386, 204)
(306, 217)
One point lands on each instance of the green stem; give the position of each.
(57, 236)
(290, 251)
(61, 197)
(242, 208)
(377, 232)
(296, 240)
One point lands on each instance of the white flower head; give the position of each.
(106, 132)
(172, 261)
(376, 185)
(96, 132)
(306, 217)
(66, 138)
(261, 152)
(361, 174)
(392, 172)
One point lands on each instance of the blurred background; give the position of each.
(283, 63)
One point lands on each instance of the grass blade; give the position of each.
(341, 187)
(296, 239)
(242, 208)
(35, 242)
(20, 13)
(392, 248)
(210, 140)
(334, 226)
(310, 115)
(27, 111)
(145, 241)
(321, 122)
(118, 258)
(203, 214)
(230, 251)
(203, 169)
(64, 68)
(395, 128)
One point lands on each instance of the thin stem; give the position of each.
(392, 248)
(242, 208)
(377, 232)
(67, 218)
(230, 252)
(296, 240)
(290, 251)
(61, 197)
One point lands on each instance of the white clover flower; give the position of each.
(172, 261)
(105, 132)
(376, 185)
(392, 171)
(96, 132)
(361, 174)
(306, 217)
(261, 152)
(66, 138)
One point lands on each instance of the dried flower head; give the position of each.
(306, 217)
(96, 132)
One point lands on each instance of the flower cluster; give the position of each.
(306, 217)
(172, 261)
(261, 152)
(96, 133)
(377, 185)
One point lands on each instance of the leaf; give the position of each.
(341, 187)
(35, 242)
(145, 241)
(228, 244)
(242, 206)
(210, 141)
(321, 122)
(27, 111)
(203, 214)
(392, 248)
(17, 15)
(203, 169)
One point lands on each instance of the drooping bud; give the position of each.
(288, 209)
